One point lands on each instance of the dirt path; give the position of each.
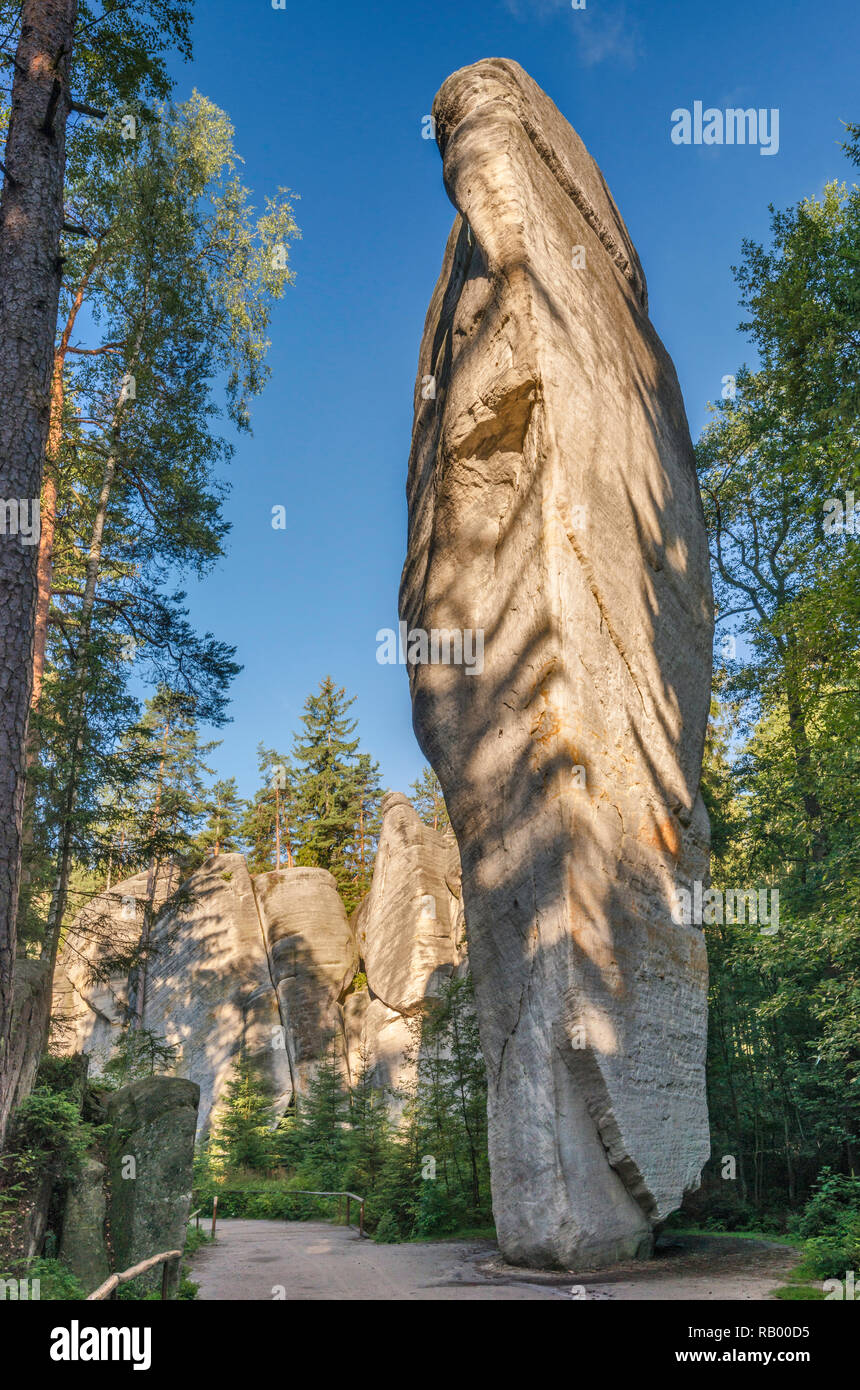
(254, 1260)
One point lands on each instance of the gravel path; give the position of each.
(253, 1260)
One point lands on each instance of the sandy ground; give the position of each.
(253, 1260)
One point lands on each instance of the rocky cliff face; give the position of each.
(209, 987)
(553, 506)
(268, 964)
(91, 986)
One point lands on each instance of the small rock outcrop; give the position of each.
(83, 1246)
(554, 508)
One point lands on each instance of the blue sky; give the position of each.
(328, 99)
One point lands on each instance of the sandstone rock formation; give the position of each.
(150, 1159)
(553, 505)
(313, 959)
(209, 987)
(91, 985)
(410, 935)
(267, 964)
(83, 1247)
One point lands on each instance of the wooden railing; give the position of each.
(350, 1197)
(306, 1192)
(168, 1258)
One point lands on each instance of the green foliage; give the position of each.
(56, 1282)
(422, 1177)
(139, 1053)
(48, 1133)
(782, 768)
(222, 833)
(243, 1134)
(337, 794)
(449, 1107)
(269, 822)
(833, 1206)
(830, 1223)
(428, 800)
(322, 1126)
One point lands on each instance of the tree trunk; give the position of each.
(56, 912)
(49, 493)
(31, 217)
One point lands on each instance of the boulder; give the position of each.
(150, 1161)
(554, 509)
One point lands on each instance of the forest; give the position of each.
(155, 339)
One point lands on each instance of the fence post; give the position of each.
(361, 1219)
(214, 1213)
(348, 1205)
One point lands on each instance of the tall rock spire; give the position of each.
(553, 507)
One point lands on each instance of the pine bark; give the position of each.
(31, 218)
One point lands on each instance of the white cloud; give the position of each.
(602, 32)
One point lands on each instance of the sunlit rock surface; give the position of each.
(313, 958)
(410, 935)
(209, 985)
(553, 504)
(269, 966)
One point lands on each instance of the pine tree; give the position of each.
(368, 1139)
(322, 1122)
(269, 823)
(140, 1053)
(450, 1110)
(361, 854)
(428, 800)
(225, 811)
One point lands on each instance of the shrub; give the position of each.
(56, 1282)
(48, 1130)
(388, 1231)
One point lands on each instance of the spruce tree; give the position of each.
(368, 1139)
(243, 1134)
(361, 854)
(327, 782)
(322, 1121)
